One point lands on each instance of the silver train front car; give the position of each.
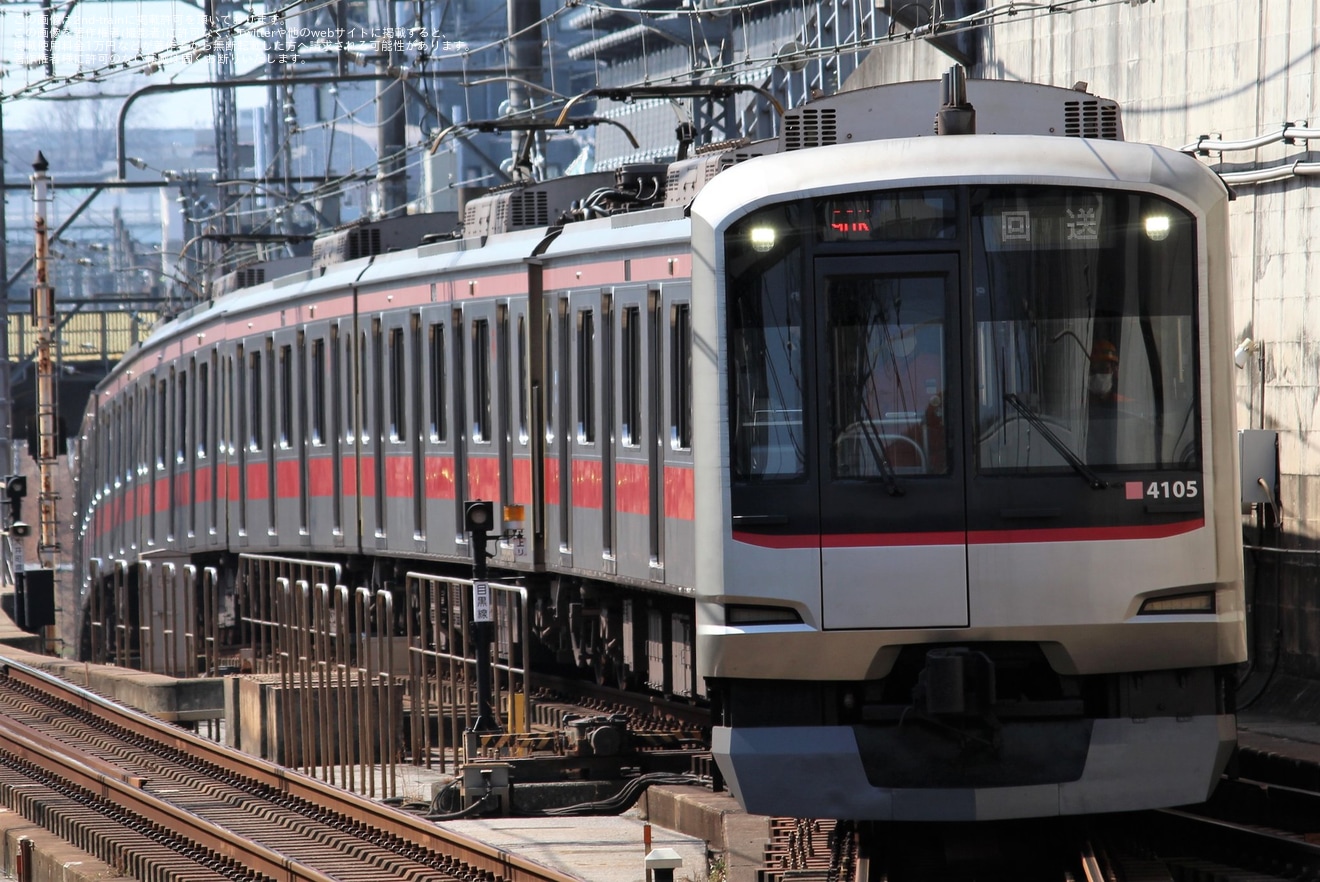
(992, 590)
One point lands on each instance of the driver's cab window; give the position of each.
(1084, 308)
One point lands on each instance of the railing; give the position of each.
(343, 661)
(442, 663)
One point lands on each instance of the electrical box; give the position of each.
(36, 599)
(487, 783)
(1258, 453)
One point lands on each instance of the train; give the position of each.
(903, 440)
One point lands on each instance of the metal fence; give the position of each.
(442, 664)
(149, 618)
(339, 668)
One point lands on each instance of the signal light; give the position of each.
(15, 490)
(479, 516)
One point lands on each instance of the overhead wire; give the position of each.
(354, 179)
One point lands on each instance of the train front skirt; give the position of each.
(1117, 765)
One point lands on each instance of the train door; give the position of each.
(586, 476)
(161, 463)
(558, 443)
(635, 514)
(458, 384)
(189, 479)
(262, 490)
(675, 554)
(344, 420)
(482, 322)
(176, 463)
(206, 440)
(888, 341)
(396, 490)
(439, 518)
(239, 443)
(287, 453)
(198, 451)
(517, 456)
(416, 429)
(371, 438)
(320, 439)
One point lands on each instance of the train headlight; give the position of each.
(743, 614)
(1200, 603)
(1157, 227)
(763, 238)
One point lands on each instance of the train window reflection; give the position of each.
(887, 381)
(1088, 322)
(630, 387)
(256, 414)
(439, 383)
(680, 377)
(765, 316)
(398, 384)
(318, 393)
(586, 377)
(481, 392)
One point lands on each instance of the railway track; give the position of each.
(161, 803)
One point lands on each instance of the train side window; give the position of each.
(203, 409)
(680, 377)
(586, 378)
(181, 420)
(317, 428)
(631, 381)
(286, 397)
(162, 408)
(481, 427)
(523, 433)
(552, 388)
(255, 438)
(398, 427)
(439, 383)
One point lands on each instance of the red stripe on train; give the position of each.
(522, 480)
(551, 481)
(288, 479)
(680, 497)
(632, 488)
(586, 487)
(399, 477)
(439, 477)
(202, 476)
(484, 478)
(320, 476)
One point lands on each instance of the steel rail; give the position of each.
(126, 792)
(479, 856)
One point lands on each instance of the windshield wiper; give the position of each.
(1081, 468)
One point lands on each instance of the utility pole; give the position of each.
(392, 181)
(43, 317)
(6, 391)
(525, 56)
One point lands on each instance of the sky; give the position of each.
(99, 32)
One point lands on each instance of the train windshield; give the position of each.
(1054, 328)
(1084, 345)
